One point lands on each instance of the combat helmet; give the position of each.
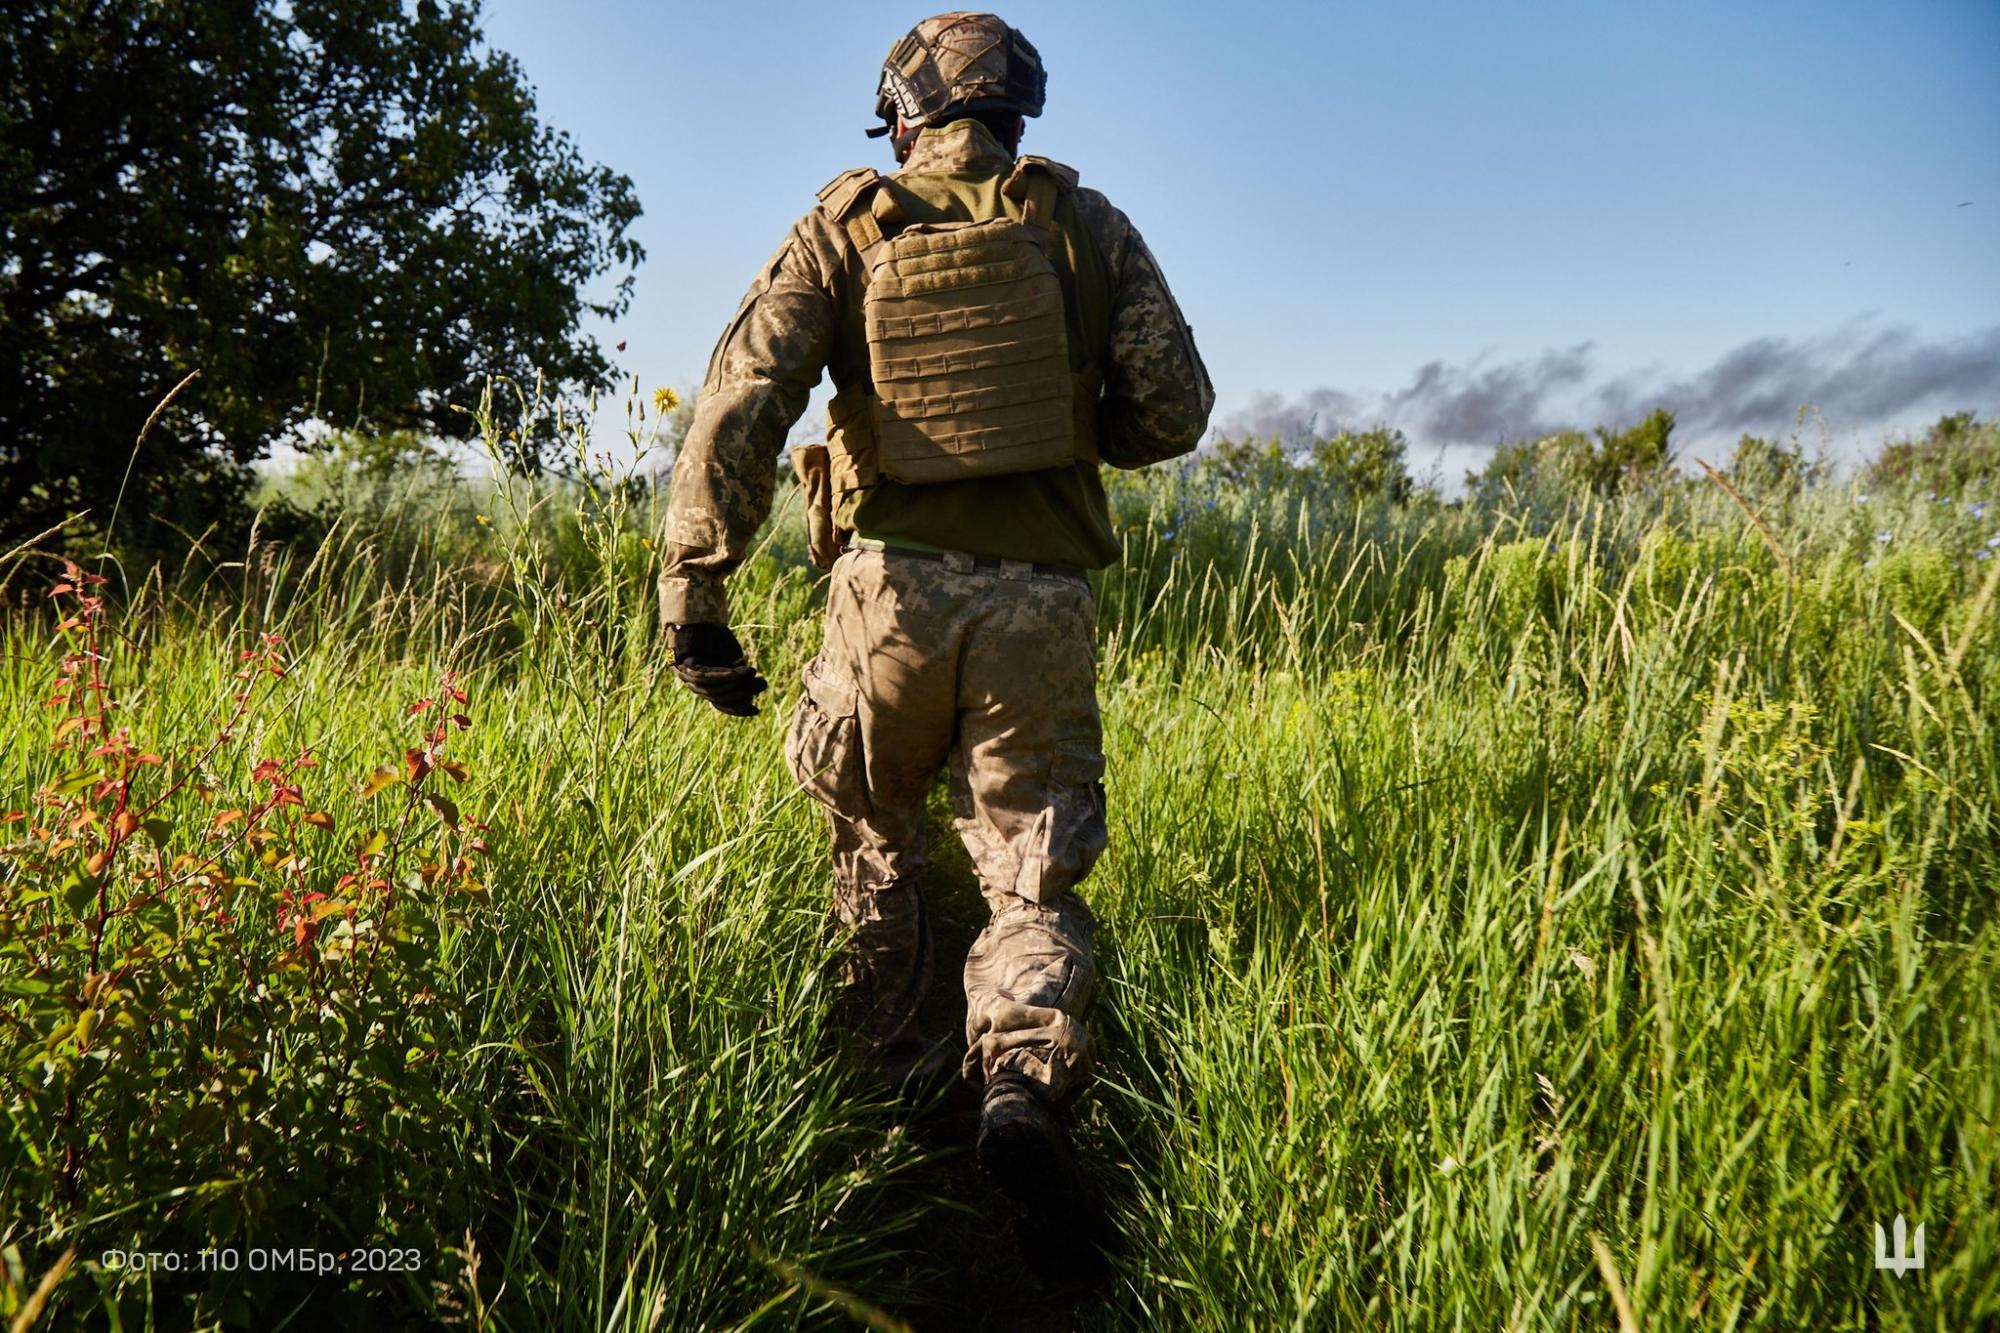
(961, 63)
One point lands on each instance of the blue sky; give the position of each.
(1468, 219)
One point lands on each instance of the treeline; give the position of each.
(1374, 464)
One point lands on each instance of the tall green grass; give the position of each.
(1534, 917)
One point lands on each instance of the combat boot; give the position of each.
(1060, 1226)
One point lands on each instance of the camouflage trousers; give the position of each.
(991, 672)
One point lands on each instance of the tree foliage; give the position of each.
(1957, 449)
(343, 210)
(1571, 461)
(1360, 465)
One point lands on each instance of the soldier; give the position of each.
(994, 331)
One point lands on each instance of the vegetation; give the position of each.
(1572, 463)
(1956, 451)
(344, 212)
(1552, 911)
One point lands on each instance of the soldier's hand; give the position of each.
(710, 661)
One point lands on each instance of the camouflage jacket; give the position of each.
(793, 323)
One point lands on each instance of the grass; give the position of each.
(1546, 916)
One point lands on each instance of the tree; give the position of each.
(1571, 463)
(1634, 455)
(343, 210)
(1957, 450)
(1765, 467)
(1367, 464)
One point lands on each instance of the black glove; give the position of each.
(710, 661)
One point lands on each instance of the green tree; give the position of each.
(335, 209)
(1957, 450)
(1762, 466)
(1573, 463)
(1631, 456)
(1369, 463)
(1248, 462)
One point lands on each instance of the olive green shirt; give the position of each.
(803, 315)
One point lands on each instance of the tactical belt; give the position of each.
(960, 561)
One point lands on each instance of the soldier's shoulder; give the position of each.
(1109, 226)
(845, 192)
(1094, 201)
(1064, 175)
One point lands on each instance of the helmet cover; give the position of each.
(962, 62)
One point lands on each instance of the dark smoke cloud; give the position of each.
(1481, 403)
(1858, 376)
(1316, 414)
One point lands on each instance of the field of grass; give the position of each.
(1557, 914)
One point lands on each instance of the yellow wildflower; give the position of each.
(665, 399)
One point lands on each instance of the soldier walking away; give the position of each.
(995, 331)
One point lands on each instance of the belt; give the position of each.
(961, 561)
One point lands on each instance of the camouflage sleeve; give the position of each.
(758, 381)
(1157, 393)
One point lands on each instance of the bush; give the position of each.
(1758, 466)
(223, 1012)
(1573, 463)
(1354, 465)
(1368, 465)
(1956, 451)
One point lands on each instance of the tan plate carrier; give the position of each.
(968, 345)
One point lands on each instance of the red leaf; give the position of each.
(418, 707)
(415, 764)
(464, 722)
(267, 771)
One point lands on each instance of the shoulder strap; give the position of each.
(1035, 183)
(855, 200)
(845, 190)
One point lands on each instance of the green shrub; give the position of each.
(1956, 451)
(218, 992)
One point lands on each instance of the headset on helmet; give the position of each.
(960, 62)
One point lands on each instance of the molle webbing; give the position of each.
(969, 357)
(968, 353)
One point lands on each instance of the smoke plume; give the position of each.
(1858, 376)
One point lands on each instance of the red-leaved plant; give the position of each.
(215, 1008)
